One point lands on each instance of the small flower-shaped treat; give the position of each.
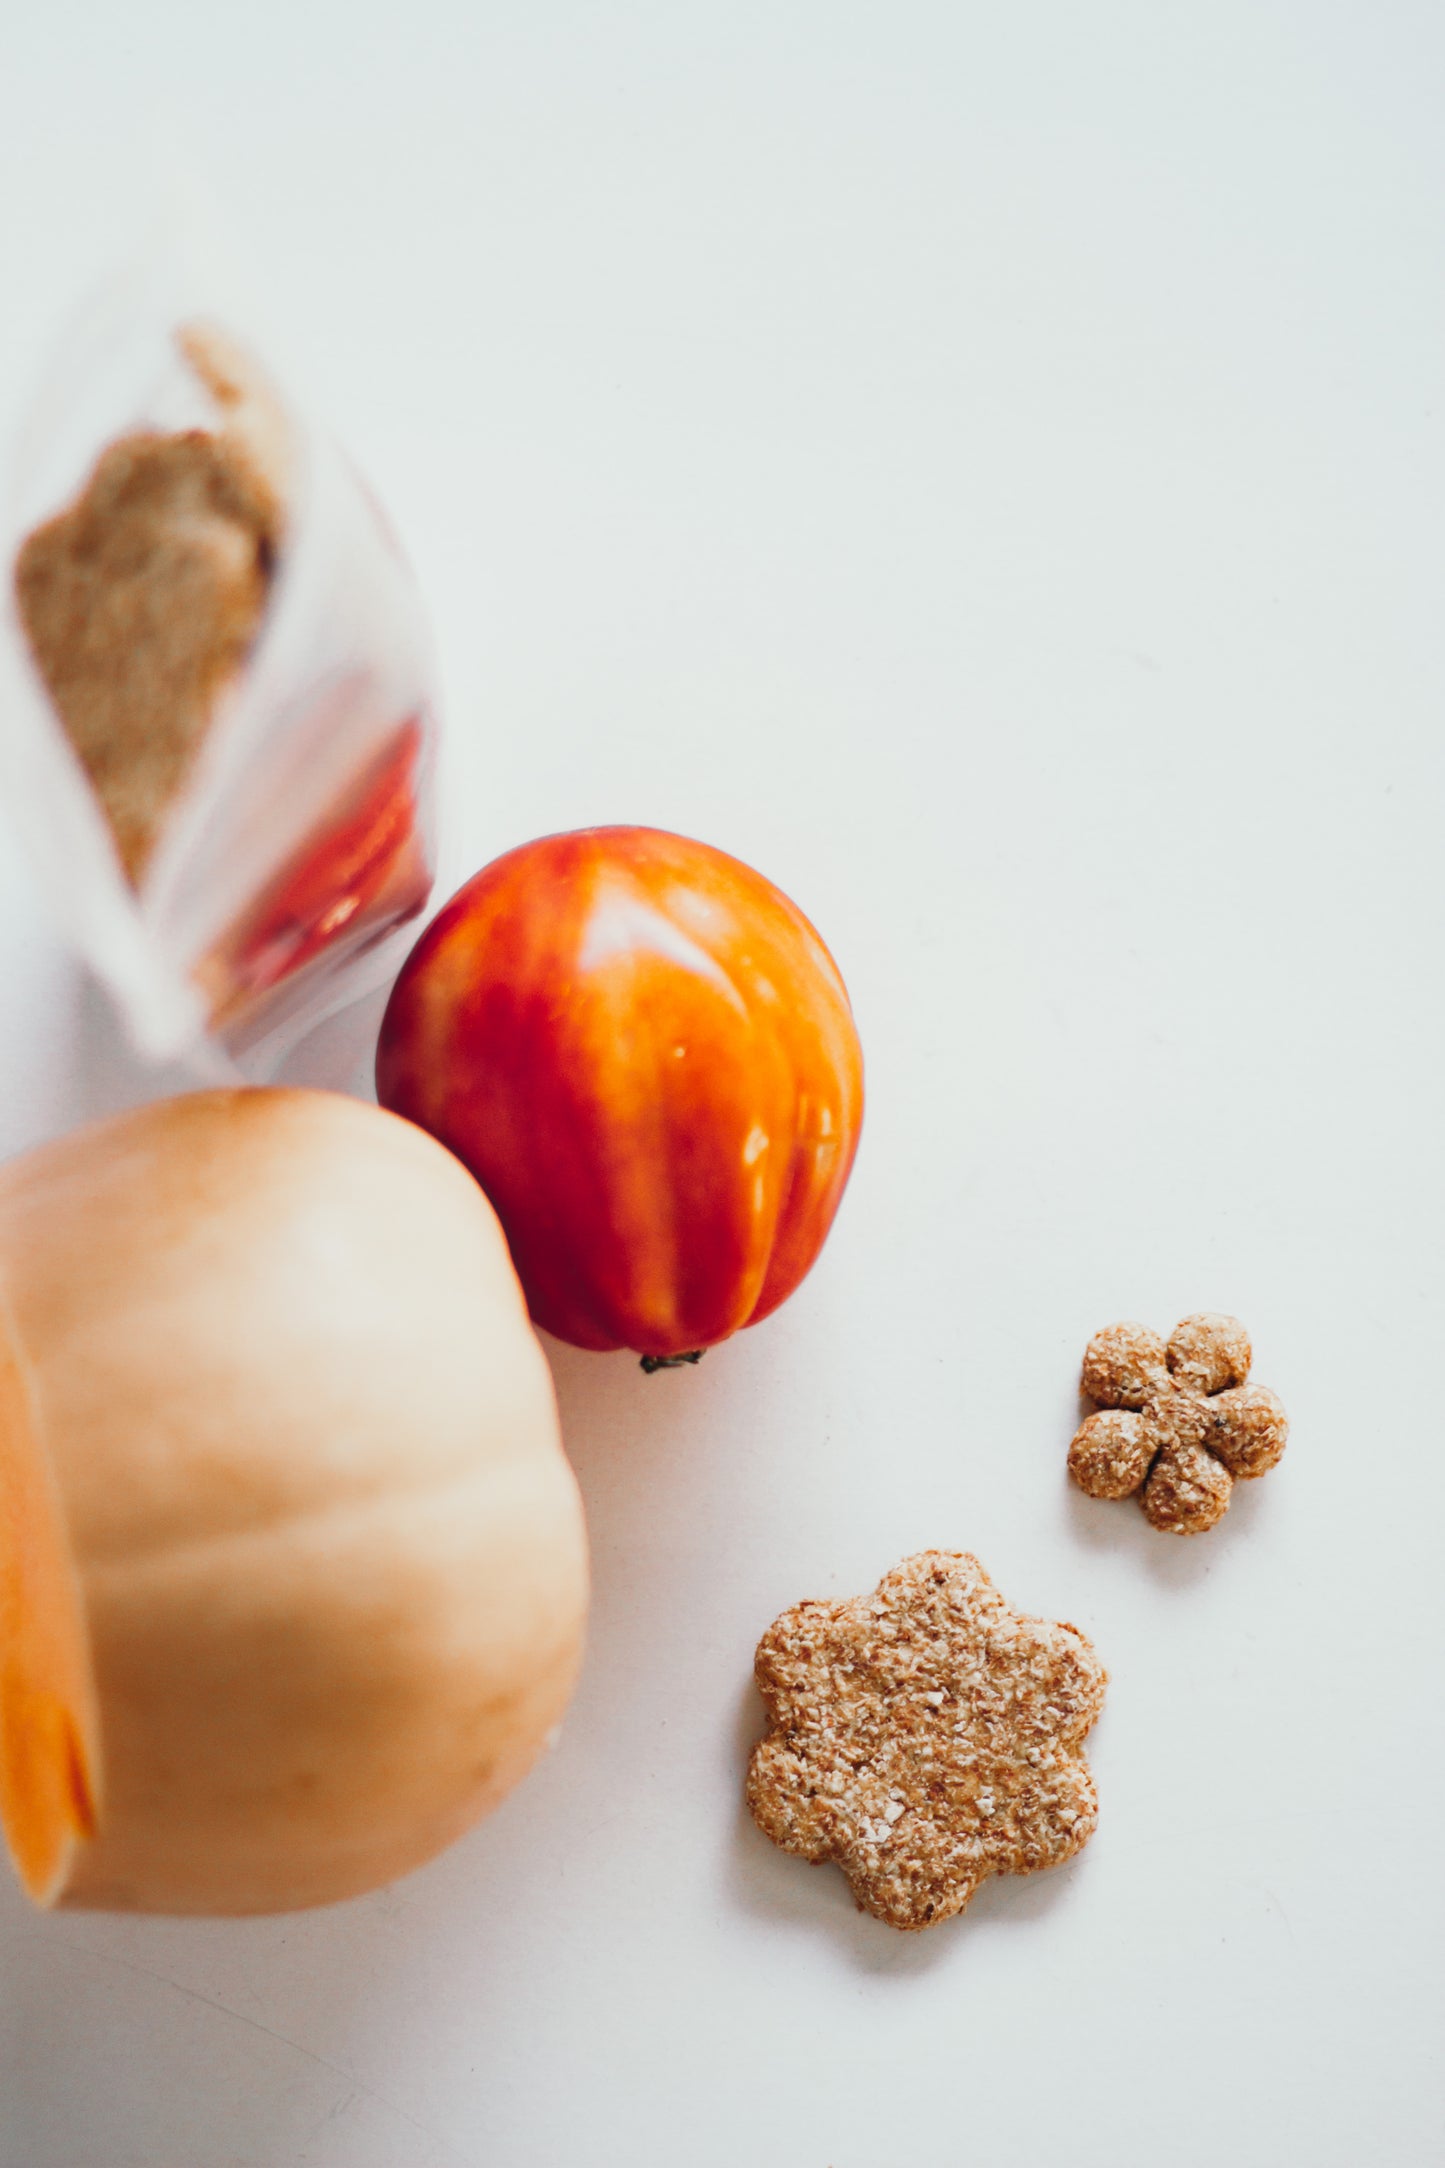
(1177, 1424)
(925, 1737)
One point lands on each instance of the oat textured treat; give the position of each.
(924, 1738)
(1177, 1424)
(141, 600)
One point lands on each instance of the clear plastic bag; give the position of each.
(300, 841)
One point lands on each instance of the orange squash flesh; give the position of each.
(47, 1718)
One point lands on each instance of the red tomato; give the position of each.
(645, 1055)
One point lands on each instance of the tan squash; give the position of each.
(292, 1568)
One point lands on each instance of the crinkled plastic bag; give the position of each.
(300, 843)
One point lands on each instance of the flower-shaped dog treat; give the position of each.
(1177, 1424)
(925, 1737)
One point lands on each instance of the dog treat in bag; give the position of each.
(217, 714)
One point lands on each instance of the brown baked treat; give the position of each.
(1177, 1424)
(141, 599)
(253, 425)
(925, 1737)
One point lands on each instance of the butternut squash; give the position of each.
(293, 1573)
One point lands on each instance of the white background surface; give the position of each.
(983, 465)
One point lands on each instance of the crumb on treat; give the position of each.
(1176, 1424)
(925, 1737)
(141, 599)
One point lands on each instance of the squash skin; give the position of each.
(331, 1556)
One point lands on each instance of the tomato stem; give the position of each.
(671, 1362)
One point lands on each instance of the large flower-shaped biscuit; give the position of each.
(925, 1737)
(1177, 1424)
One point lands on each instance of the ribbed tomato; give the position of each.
(645, 1055)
